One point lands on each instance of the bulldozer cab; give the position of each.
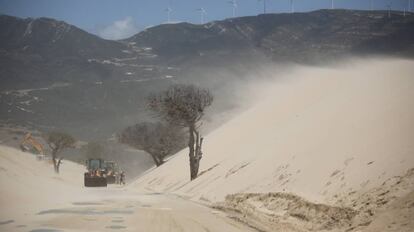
(94, 164)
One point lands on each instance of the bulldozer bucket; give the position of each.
(95, 181)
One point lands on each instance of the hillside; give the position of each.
(340, 137)
(56, 75)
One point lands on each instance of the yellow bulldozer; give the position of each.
(101, 173)
(30, 144)
(96, 173)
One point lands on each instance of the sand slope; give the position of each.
(28, 185)
(33, 198)
(316, 132)
(335, 145)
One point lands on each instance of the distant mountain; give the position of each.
(37, 52)
(53, 39)
(55, 75)
(298, 37)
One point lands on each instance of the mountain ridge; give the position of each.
(324, 26)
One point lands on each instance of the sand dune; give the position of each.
(333, 144)
(329, 135)
(28, 185)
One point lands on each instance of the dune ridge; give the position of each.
(323, 149)
(315, 132)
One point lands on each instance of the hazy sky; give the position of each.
(121, 18)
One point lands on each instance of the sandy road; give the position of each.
(116, 209)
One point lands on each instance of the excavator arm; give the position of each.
(29, 143)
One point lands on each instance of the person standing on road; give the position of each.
(122, 178)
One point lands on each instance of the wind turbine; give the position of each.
(389, 9)
(264, 5)
(168, 10)
(202, 14)
(234, 5)
(371, 5)
(292, 6)
(332, 4)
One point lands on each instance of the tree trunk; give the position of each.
(195, 154)
(55, 164)
(198, 154)
(58, 165)
(191, 154)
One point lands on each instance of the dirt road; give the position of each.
(116, 209)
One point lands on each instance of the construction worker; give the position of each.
(122, 178)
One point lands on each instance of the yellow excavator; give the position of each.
(32, 145)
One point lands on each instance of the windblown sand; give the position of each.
(29, 185)
(340, 136)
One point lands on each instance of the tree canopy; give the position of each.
(57, 142)
(157, 139)
(181, 104)
(184, 105)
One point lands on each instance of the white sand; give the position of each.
(33, 198)
(315, 132)
(28, 185)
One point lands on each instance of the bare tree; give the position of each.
(58, 141)
(184, 105)
(157, 139)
